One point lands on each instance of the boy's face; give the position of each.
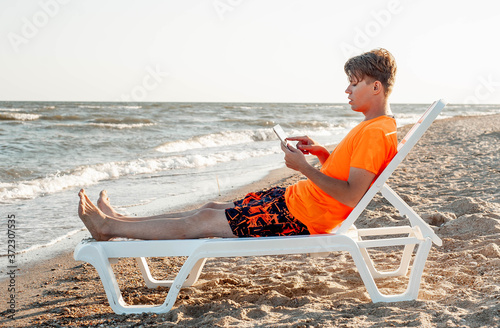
(360, 94)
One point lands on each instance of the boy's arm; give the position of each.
(347, 192)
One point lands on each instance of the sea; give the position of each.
(150, 157)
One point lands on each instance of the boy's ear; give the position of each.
(377, 87)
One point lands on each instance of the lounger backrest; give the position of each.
(404, 148)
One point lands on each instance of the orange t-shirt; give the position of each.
(370, 145)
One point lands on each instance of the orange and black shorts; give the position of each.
(264, 214)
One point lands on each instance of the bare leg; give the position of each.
(104, 205)
(206, 223)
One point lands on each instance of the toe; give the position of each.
(103, 196)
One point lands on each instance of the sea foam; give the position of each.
(225, 138)
(92, 174)
(18, 117)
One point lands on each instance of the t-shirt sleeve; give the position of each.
(371, 150)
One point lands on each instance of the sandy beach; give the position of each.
(451, 179)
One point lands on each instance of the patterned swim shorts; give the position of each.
(264, 214)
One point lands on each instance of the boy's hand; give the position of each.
(308, 146)
(305, 144)
(294, 158)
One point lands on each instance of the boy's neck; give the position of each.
(380, 108)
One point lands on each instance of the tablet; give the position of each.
(281, 134)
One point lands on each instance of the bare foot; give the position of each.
(105, 206)
(92, 217)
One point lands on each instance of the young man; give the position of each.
(313, 206)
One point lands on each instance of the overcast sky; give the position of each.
(244, 50)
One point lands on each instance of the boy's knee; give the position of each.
(209, 205)
(217, 206)
(202, 216)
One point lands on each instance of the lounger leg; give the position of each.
(192, 264)
(369, 263)
(153, 283)
(195, 273)
(366, 275)
(189, 266)
(405, 261)
(418, 268)
(148, 278)
(94, 255)
(402, 270)
(412, 289)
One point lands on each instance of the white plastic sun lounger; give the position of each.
(346, 238)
